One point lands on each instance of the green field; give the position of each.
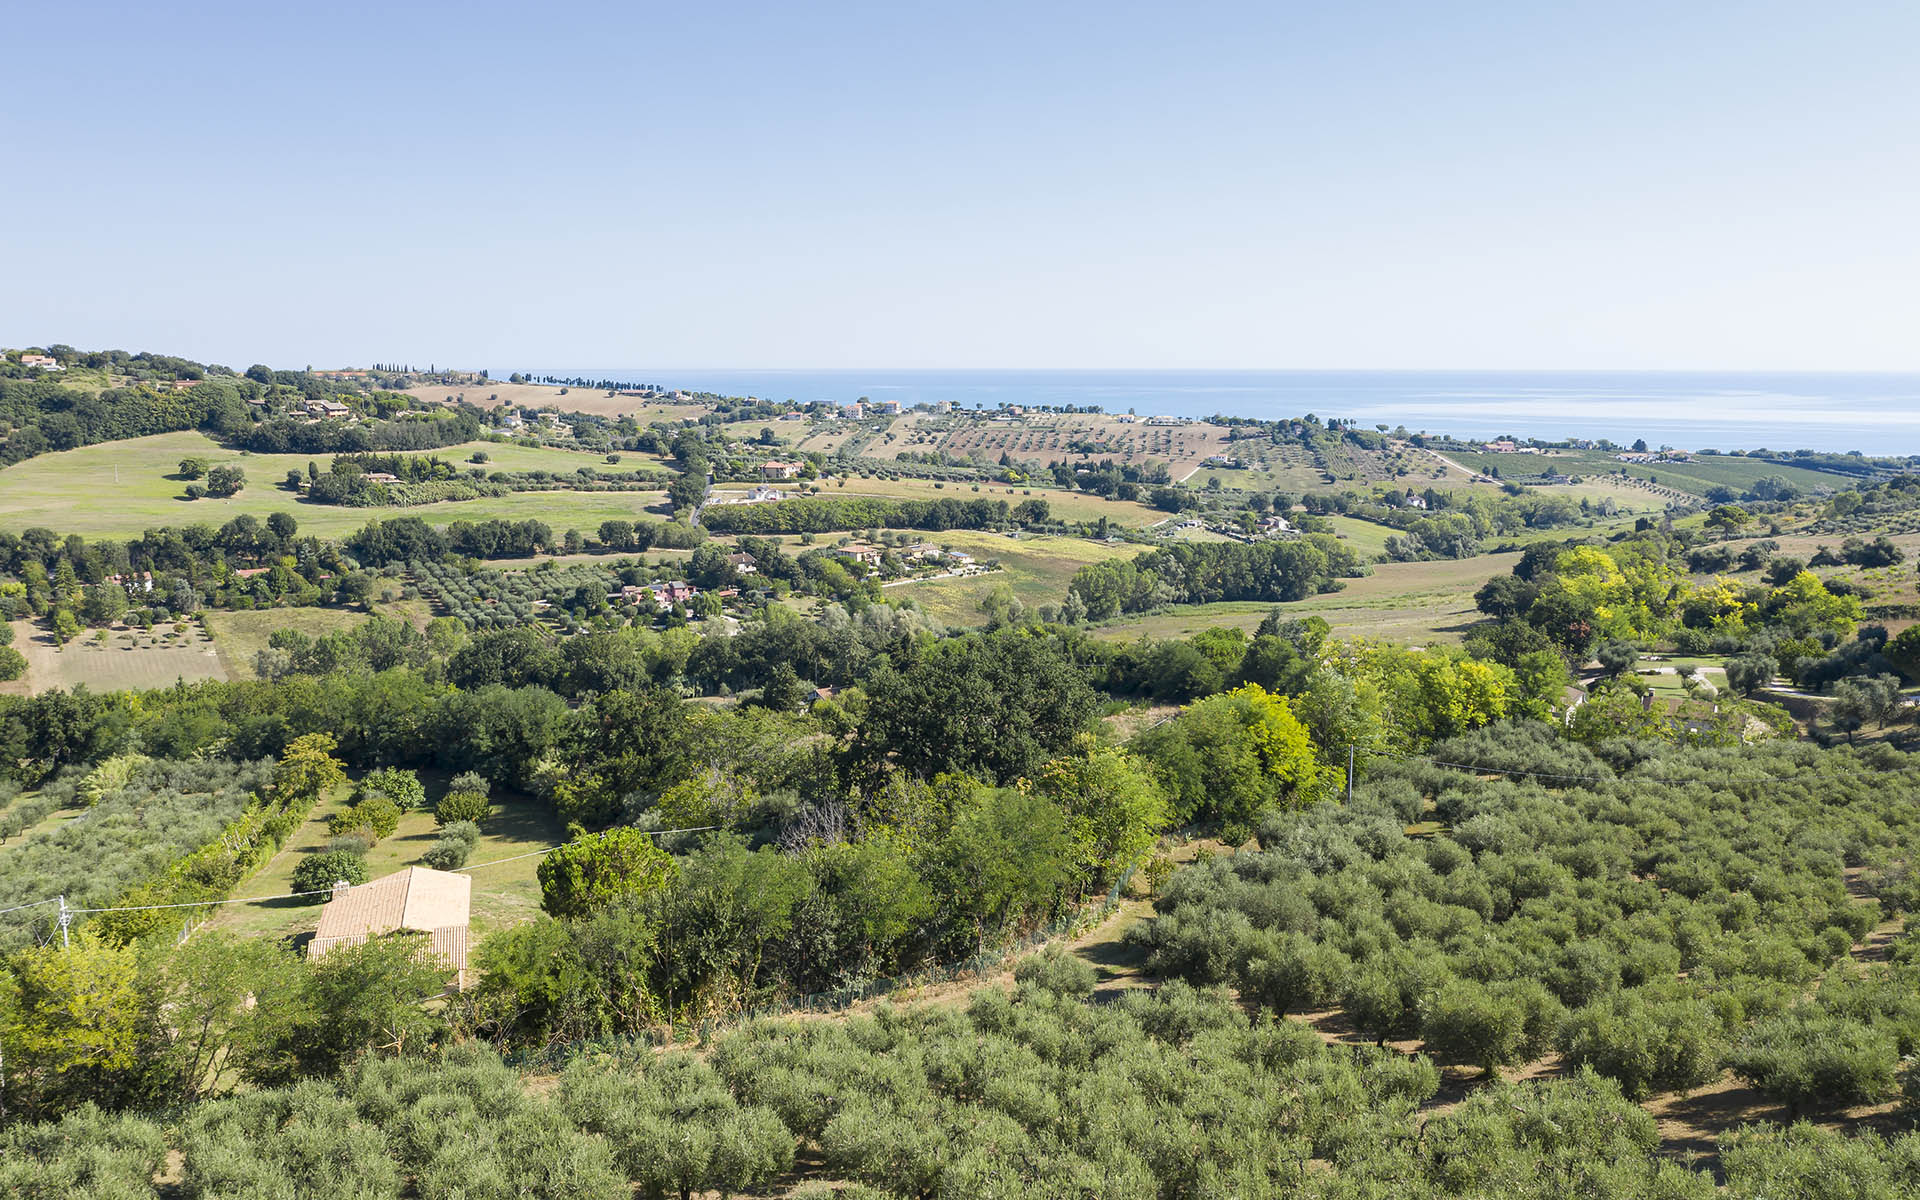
(1064, 505)
(120, 489)
(1426, 603)
(1294, 477)
(1366, 537)
(1035, 570)
(502, 895)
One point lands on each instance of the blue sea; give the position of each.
(1874, 413)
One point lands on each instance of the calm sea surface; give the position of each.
(1873, 413)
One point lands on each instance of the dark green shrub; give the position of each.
(376, 814)
(401, 787)
(319, 872)
(354, 841)
(1490, 1025)
(1055, 970)
(1806, 1162)
(461, 831)
(86, 1154)
(675, 1128)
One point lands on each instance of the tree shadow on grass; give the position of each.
(1118, 963)
(520, 819)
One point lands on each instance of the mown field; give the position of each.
(239, 636)
(132, 660)
(1368, 538)
(128, 660)
(120, 489)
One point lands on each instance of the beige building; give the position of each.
(418, 899)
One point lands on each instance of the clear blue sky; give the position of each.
(1621, 185)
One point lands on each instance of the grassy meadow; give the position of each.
(502, 895)
(1425, 603)
(120, 489)
(1034, 569)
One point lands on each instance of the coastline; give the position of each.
(1873, 412)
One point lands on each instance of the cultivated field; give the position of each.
(540, 395)
(1697, 476)
(1045, 437)
(1071, 506)
(128, 659)
(825, 438)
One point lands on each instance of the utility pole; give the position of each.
(66, 919)
(1349, 774)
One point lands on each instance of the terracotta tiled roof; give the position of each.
(436, 903)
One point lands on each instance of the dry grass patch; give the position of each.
(239, 636)
(129, 659)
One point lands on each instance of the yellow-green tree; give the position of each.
(1434, 694)
(68, 1009)
(602, 869)
(1115, 807)
(1231, 757)
(307, 770)
(711, 797)
(1720, 605)
(1631, 597)
(1803, 605)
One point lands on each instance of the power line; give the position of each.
(35, 904)
(203, 903)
